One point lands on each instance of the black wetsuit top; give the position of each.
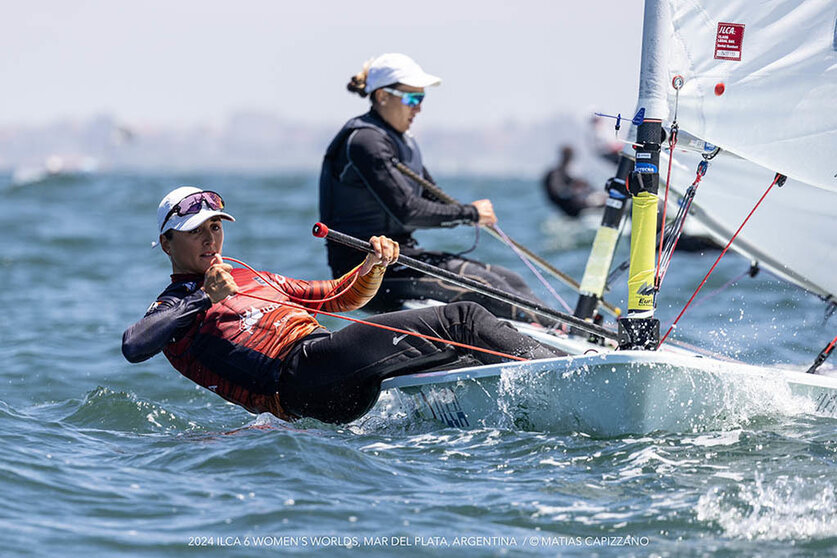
(363, 194)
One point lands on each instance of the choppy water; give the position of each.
(100, 457)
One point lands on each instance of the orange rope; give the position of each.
(352, 280)
(394, 329)
(358, 321)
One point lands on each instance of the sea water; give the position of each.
(104, 458)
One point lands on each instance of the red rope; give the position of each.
(352, 279)
(724, 251)
(358, 321)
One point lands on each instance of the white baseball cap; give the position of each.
(168, 218)
(394, 67)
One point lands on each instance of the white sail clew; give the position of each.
(766, 93)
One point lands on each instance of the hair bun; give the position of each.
(357, 83)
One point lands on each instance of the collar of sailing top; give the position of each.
(186, 277)
(384, 124)
(406, 144)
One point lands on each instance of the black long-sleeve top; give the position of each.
(362, 193)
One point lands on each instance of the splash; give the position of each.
(786, 508)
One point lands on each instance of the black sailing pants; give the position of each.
(336, 377)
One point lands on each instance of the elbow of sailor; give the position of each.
(131, 350)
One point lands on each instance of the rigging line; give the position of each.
(676, 83)
(719, 290)
(673, 237)
(534, 270)
(824, 354)
(388, 328)
(777, 179)
(672, 143)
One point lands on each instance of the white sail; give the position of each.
(760, 82)
(793, 232)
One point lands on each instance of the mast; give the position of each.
(640, 329)
(594, 281)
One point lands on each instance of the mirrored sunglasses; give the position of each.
(409, 98)
(192, 204)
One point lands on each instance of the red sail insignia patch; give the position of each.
(728, 41)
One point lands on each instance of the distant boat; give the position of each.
(54, 166)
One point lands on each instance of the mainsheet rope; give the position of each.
(777, 179)
(355, 320)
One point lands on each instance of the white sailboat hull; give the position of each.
(612, 394)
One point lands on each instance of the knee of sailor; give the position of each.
(466, 311)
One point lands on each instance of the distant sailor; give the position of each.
(249, 337)
(363, 193)
(568, 192)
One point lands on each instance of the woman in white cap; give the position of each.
(252, 338)
(362, 193)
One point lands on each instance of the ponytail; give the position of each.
(357, 83)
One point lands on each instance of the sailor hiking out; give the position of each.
(251, 337)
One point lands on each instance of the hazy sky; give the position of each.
(173, 62)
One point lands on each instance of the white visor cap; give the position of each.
(391, 68)
(184, 222)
